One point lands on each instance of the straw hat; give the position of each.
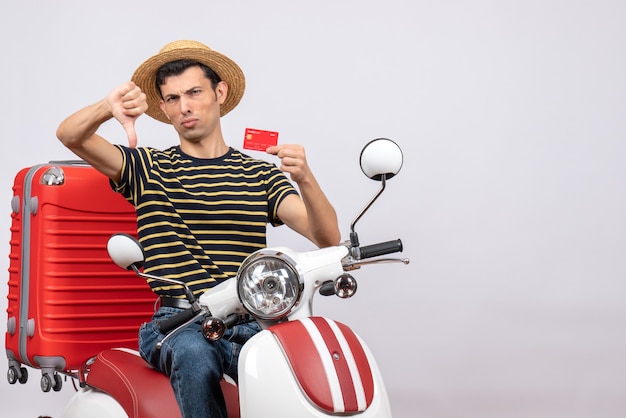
(227, 69)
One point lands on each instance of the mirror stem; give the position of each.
(354, 240)
(188, 293)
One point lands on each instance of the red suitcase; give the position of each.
(67, 301)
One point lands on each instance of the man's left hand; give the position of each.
(292, 159)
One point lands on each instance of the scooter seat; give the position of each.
(142, 391)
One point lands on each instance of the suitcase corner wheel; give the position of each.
(50, 380)
(16, 373)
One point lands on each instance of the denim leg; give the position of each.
(237, 336)
(194, 365)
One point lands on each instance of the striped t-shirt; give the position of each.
(198, 219)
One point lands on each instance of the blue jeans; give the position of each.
(194, 365)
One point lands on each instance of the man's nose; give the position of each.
(185, 105)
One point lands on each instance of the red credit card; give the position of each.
(259, 140)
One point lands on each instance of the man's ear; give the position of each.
(221, 92)
(162, 106)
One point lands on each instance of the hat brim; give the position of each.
(145, 76)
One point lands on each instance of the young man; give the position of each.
(202, 206)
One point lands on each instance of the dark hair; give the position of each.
(178, 67)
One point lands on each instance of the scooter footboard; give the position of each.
(316, 367)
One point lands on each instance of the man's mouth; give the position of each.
(188, 123)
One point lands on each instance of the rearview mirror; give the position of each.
(381, 157)
(125, 251)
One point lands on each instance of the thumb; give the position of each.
(129, 127)
(272, 150)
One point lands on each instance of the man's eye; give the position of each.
(170, 99)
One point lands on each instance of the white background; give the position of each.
(511, 202)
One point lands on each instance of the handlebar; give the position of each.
(176, 320)
(382, 248)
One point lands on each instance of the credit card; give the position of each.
(259, 140)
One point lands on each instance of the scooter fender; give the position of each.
(89, 402)
(312, 367)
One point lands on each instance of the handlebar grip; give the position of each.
(382, 248)
(173, 321)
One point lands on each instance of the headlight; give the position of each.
(269, 285)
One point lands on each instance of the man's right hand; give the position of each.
(127, 102)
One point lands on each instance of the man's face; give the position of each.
(192, 105)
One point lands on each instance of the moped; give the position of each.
(299, 365)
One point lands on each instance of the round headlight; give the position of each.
(269, 284)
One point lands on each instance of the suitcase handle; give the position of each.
(68, 162)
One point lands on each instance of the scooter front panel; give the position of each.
(328, 362)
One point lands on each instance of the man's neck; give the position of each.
(205, 149)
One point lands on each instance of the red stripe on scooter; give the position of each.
(360, 358)
(339, 361)
(305, 362)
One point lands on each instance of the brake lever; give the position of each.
(354, 264)
(203, 311)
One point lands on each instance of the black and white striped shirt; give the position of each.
(198, 219)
